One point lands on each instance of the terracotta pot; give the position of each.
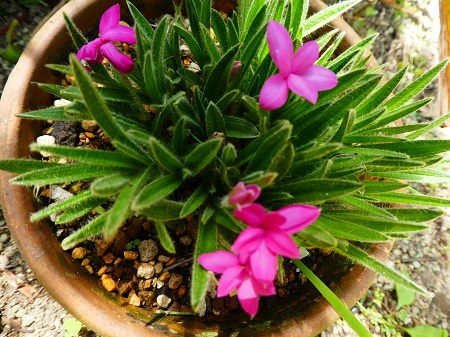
(65, 280)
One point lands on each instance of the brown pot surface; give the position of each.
(67, 281)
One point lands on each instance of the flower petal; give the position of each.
(231, 279)
(305, 57)
(218, 261)
(91, 52)
(280, 46)
(272, 220)
(109, 19)
(120, 33)
(121, 62)
(281, 243)
(267, 289)
(298, 217)
(244, 194)
(323, 78)
(251, 214)
(274, 93)
(247, 296)
(303, 87)
(248, 240)
(263, 264)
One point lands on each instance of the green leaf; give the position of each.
(210, 47)
(425, 330)
(383, 225)
(217, 81)
(428, 175)
(63, 174)
(141, 21)
(332, 298)
(214, 120)
(93, 228)
(361, 257)
(415, 148)
(323, 17)
(163, 210)
(345, 127)
(374, 100)
(240, 128)
(92, 156)
(282, 161)
(415, 214)
(410, 199)
(109, 185)
(349, 230)
(220, 29)
(415, 87)
(316, 152)
(195, 200)
(226, 219)
(164, 157)
(316, 190)
(191, 41)
(77, 37)
(61, 206)
(428, 127)
(81, 208)
(206, 243)
(365, 206)
(155, 191)
(405, 296)
(98, 108)
(202, 155)
(52, 113)
(315, 236)
(164, 237)
(20, 165)
(262, 158)
(120, 211)
(380, 186)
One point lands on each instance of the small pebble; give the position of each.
(145, 270)
(61, 102)
(148, 249)
(163, 301)
(45, 140)
(163, 258)
(158, 268)
(108, 282)
(3, 238)
(134, 299)
(164, 276)
(27, 320)
(175, 281)
(185, 240)
(130, 255)
(60, 194)
(79, 253)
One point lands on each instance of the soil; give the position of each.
(406, 35)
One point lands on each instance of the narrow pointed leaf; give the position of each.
(93, 228)
(164, 237)
(155, 191)
(206, 243)
(202, 155)
(164, 157)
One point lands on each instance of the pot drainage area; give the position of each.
(409, 33)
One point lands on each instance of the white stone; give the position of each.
(60, 194)
(47, 141)
(61, 102)
(163, 301)
(27, 320)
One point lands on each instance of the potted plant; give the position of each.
(227, 143)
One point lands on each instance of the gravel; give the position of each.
(27, 310)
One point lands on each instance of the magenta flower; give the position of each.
(244, 194)
(110, 31)
(297, 71)
(236, 274)
(268, 234)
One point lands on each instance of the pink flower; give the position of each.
(236, 274)
(297, 71)
(110, 31)
(244, 194)
(268, 234)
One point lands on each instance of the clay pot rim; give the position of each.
(61, 277)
